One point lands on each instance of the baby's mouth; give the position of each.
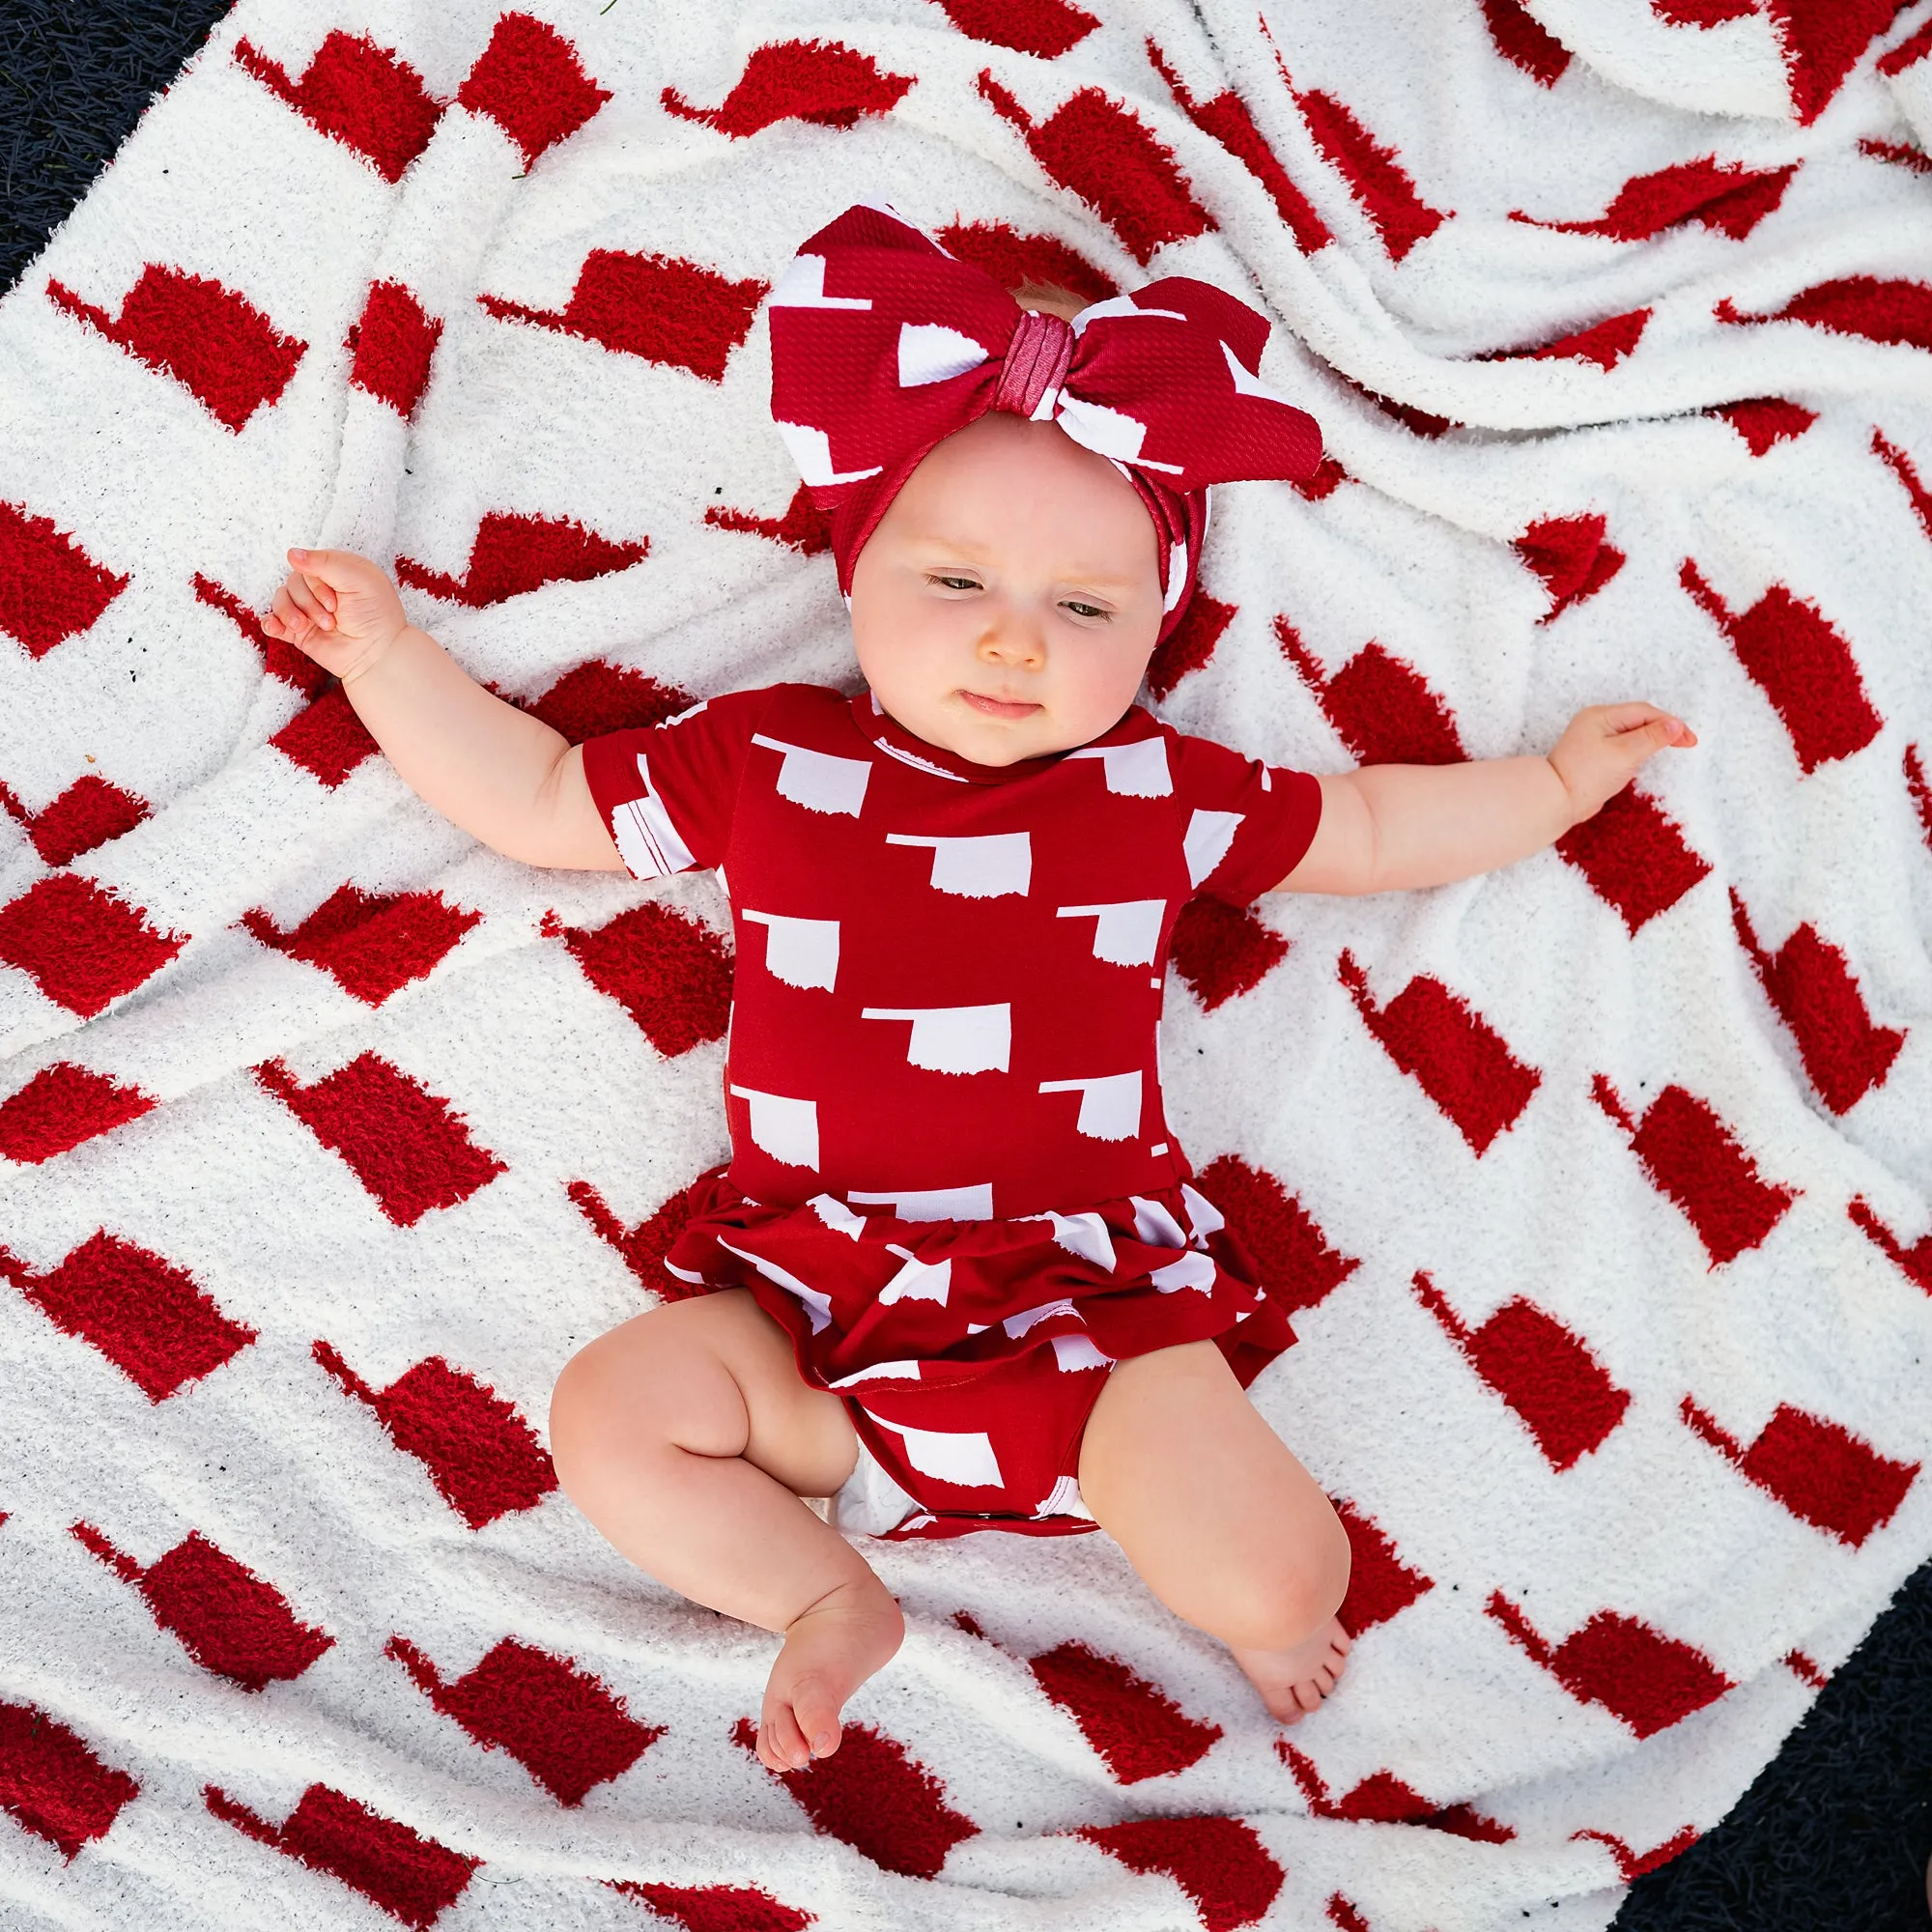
(999, 707)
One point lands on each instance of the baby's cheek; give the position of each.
(905, 656)
(1102, 679)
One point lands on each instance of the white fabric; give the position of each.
(953, 1039)
(869, 1502)
(1083, 1234)
(801, 952)
(818, 781)
(983, 867)
(266, 1456)
(1125, 932)
(1110, 1104)
(973, 1202)
(918, 1280)
(963, 1456)
(1209, 834)
(1136, 770)
(785, 1126)
(646, 839)
(811, 450)
(931, 352)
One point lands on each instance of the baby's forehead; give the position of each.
(1001, 454)
(1021, 502)
(1006, 492)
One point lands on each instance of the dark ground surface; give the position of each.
(74, 75)
(1836, 1833)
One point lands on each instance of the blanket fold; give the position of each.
(1596, 1190)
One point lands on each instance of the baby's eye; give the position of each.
(954, 583)
(1086, 609)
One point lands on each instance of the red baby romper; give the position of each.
(951, 1181)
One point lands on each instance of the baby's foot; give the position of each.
(829, 1652)
(1294, 1681)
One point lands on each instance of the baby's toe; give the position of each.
(816, 1713)
(782, 1747)
(1283, 1705)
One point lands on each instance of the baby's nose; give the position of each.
(1013, 640)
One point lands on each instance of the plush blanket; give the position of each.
(1600, 1189)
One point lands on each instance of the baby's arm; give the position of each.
(1390, 827)
(494, 770)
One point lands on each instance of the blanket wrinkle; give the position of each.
(1598, 1189)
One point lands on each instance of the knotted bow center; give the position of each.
(1036, 364)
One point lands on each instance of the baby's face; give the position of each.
(1008, 601)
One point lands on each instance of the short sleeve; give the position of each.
(1245, 825)
(666, 793)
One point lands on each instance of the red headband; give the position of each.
(883, 345)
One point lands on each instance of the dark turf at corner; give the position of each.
(1835, 1834)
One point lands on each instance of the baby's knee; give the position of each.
(1330, 1560)
(655, 1386)
(604, 1397)
(1290, 1584)
(580, 1407)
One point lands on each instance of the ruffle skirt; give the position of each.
(970, 1354)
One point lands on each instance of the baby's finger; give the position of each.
(335, 569)
(1617, 719)
(1637, 743)
(307, 602)
(283, 613)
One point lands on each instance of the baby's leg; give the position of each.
(687, 1436)
(1224, 1526)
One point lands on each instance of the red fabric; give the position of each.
(84, 946)
(948, 976)
(944, 1025)
(50, 589)
(87, 814)
(883, 345)
(970, 1354)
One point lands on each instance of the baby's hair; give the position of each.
(1049, 299)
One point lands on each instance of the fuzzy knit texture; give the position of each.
(1599, 1189)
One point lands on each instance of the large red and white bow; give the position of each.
(883, 345)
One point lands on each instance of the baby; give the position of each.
(954, 1277)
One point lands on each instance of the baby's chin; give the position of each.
(976, 725)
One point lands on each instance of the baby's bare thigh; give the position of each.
(713, 1376)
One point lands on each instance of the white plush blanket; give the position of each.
(1601, 1187)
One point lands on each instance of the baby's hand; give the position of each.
(337, 607)
(1604, 745)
